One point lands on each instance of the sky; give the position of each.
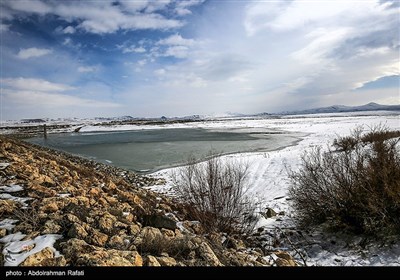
(170, 58)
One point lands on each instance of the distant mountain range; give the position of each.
(342, 108)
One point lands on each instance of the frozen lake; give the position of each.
(153, 149)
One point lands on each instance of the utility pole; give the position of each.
(45, 131)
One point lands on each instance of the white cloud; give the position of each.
(103, 17)
(87, 69)
(34, 84)
(69, 30)
(177, 51)
(4, 27)
(32, 6)
(182, 7)
(133, 49)
(53, 100)
(33, 52)
(176, 40)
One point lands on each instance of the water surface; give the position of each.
(150, 150)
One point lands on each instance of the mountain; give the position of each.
(342, 108)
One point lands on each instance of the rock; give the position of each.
(77, 231)
(97, 238)
(151, 261)
(51, 227)
(284, 259)
(37, 258)
(159, 221)
(133, 229)
(79, 253)
(269, 213)
(116, 242)
(207, 254)
(59, 261)
(49, 208)
(106, 223)
(230, 242)
(150, 233)
(3, 232)
(168, 233)
(166, 261)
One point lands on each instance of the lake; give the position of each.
(149, 150)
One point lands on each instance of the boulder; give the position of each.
(269, 213)
(37, 258)
(51, 227)
(159, 221)
(284, 259)
(166, 261)
(106, 223)
(208, 255)
(77, 231)
(152, 261)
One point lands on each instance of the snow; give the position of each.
(268, 179)
(16, 251)
(3, 165)
(21, 200)
(11, 188)
(8, 224)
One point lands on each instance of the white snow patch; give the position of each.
(16, 251)
(3, 165)
(8, 224)
(21, 200)
(11, 188)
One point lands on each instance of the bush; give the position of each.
(215, 193)
(356, 186)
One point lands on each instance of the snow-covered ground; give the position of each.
(268, 182)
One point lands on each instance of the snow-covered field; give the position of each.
(268, 182)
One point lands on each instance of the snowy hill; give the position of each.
(341, 108)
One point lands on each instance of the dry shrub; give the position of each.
(215, 193)
(356, 186)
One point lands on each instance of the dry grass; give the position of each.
(356, 186)
(215, 193)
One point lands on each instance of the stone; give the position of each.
(269, 213)
(236, 244)
(116, 242)
(133, 229)
(79, 253)
(166, 261)
(51, 227)
(284, 259)
(207, 254)
(106, 223)
(59, 261)
(168, 233)
(152, 261)
(97, 238)
(159, 221)
(150, 233)
(49, 208)
(77, 231)
(3, 232)
(37, 258)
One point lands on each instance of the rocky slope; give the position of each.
(60, 210)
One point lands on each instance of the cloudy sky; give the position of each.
(176, 58)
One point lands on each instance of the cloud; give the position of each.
(102, 17)
(33, 52)
(34, 84)
(132, 49)
(4, 27)
(87, 69)
(53, 100)
(182, 7)
(69, 30)
(176, 40)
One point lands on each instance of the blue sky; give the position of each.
(176, 58)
